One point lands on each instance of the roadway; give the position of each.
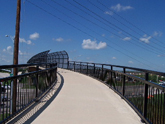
(82, 100)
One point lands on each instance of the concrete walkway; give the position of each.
(84, 100)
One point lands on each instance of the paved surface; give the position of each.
(2, 75)
(84, 100)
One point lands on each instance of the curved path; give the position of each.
(84, 100)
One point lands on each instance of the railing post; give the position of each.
(63, 65)
(74, 66)
(80, 67)
(87, 68)
(0, 96)
(111, 77)
(102, 72)
(68, 65)
(37, 82)
(14, 100)
(94, 69)
(145, 97)
(123, 86)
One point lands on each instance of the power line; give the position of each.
(113, 18)
(115, 25)
(83, 31)
(130, 23)
(87, 19)
(87, 27)
(103, 27)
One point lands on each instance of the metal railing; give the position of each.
(33, 80)
(139, 87)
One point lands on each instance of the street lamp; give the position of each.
(11, 74)
(10, 37)
(13, 46)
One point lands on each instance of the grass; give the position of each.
(26, 86)
(5, 115)
(155, 106)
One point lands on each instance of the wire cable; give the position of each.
(131, 24)
(158, 49)
(82, 31)
(148, 49)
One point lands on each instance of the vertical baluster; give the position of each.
(74, 66)
(37, 81)
(87, 68)
(145, 97)
(163, 108)
(80, 67)
(102, 72)
(94, 69)
(123, 86)
(0, 99)
(111, 81)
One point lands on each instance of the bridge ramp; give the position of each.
(84, 100)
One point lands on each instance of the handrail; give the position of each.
(137, 87)
(24, 65)
(30, 87)
(133, 68)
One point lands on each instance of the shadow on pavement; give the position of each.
(37, 110)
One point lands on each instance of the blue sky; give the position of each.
(119, 32)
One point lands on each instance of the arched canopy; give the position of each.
(39, 58)
(60, 57)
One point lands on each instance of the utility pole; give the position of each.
(16, 50)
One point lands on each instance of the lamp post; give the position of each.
(11, 88)
(10, 37)
(15, 55)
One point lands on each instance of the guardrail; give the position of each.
(139, 87)
(33, 80)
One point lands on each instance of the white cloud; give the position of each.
(157, 34)
(119, 8)
(127, 38)
(8, 50)
(88, 44)
(3, 59)
(22, 40)
(114, 58)
(20, 53)
(130, 62)
(4, 50)
(34, 36)
(145, 39)
(109, 13)
(29, 42)
(60, 39)
(161, 55)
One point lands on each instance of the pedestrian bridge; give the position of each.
(81, 100)
(52, 89)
